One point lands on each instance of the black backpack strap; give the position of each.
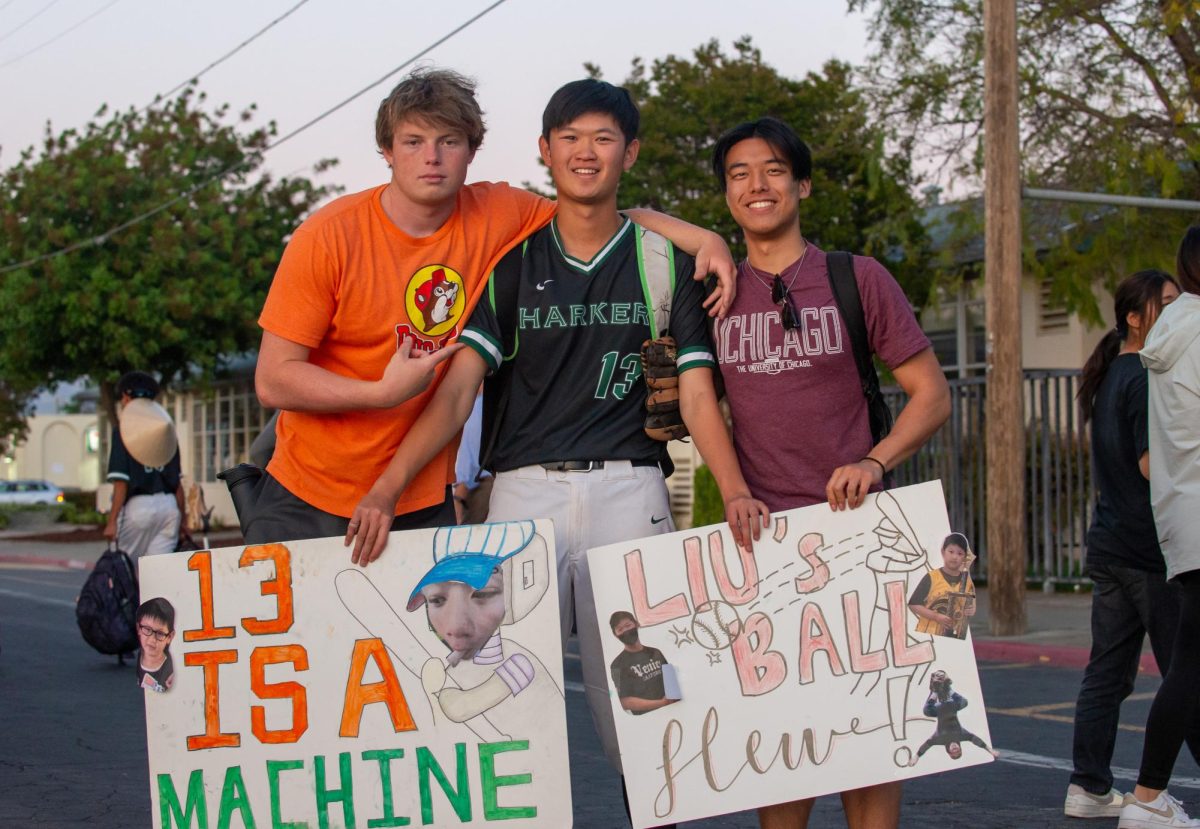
(845, 293)
(503, 292)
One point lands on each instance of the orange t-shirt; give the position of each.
(350, 286)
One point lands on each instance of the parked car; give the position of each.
(29, 492)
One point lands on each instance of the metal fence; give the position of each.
(1058, 478)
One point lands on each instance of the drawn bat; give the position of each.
(890, 507)
(372, 610)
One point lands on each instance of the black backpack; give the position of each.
(108, 603)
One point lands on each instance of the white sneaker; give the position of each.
(1164, 810)
(1082, 803)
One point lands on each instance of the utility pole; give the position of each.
(1005, 424)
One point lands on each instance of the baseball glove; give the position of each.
(663, 420)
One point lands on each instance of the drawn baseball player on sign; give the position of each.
(638, 672)
(483, 577)
(899, 553)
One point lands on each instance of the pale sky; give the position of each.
(519, 53)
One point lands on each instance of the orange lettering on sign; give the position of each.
(201, 562)
(259, 659)
(387, 691)
(280, 586)
(212, 737)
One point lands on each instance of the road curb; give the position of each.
(1059, 656)
(63, 563)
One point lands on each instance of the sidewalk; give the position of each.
(73, 548)
(1058, 632)
(1058, 629)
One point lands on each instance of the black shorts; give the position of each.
(281, 516)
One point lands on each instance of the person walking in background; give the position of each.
(1172, 355)
(1130, 597)
(148, 508)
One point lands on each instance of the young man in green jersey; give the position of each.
(569, 443)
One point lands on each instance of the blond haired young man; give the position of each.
(369, 295)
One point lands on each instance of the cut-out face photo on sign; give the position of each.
(944, 600)
(155, 621)
(465, 617)
(641, 676)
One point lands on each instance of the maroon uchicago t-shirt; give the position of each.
(798, 407)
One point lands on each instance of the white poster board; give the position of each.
(801, 668)
(310, 692)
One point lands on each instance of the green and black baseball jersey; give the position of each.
(573, 356)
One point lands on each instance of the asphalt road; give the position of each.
(73, 742)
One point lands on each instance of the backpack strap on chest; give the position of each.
(656, 265)
(840, 266)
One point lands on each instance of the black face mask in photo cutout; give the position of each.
(629, 636)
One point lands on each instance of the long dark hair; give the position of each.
(1136, 294)
(1187, 261)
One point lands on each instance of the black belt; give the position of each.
(585, 466)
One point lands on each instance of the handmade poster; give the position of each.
(423, 690)
(800, 669)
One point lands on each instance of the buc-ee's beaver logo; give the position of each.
(435, 300)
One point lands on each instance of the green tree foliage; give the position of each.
(861, 197)
(173, 294)
(1109, 96)
(13, 406)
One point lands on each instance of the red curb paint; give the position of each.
(64, 563)
(1060, 656)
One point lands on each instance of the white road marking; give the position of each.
(38, 599)
(39, 582)
(1020, 758)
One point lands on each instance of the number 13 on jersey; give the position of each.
(618, 374)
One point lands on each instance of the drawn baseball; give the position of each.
(715, 625)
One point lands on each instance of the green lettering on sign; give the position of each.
(489, 782)
(344, 795)
(460, 799)
(168, 802)
(384, 757)
(274, 767)
(234, 798)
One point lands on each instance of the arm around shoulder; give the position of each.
(709, 249)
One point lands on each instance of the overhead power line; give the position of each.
(376, 83)
(60, 35)
(27, 21)
(225, 56)
(101, 238)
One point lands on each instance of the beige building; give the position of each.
(61, 448)
(1051, 337)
